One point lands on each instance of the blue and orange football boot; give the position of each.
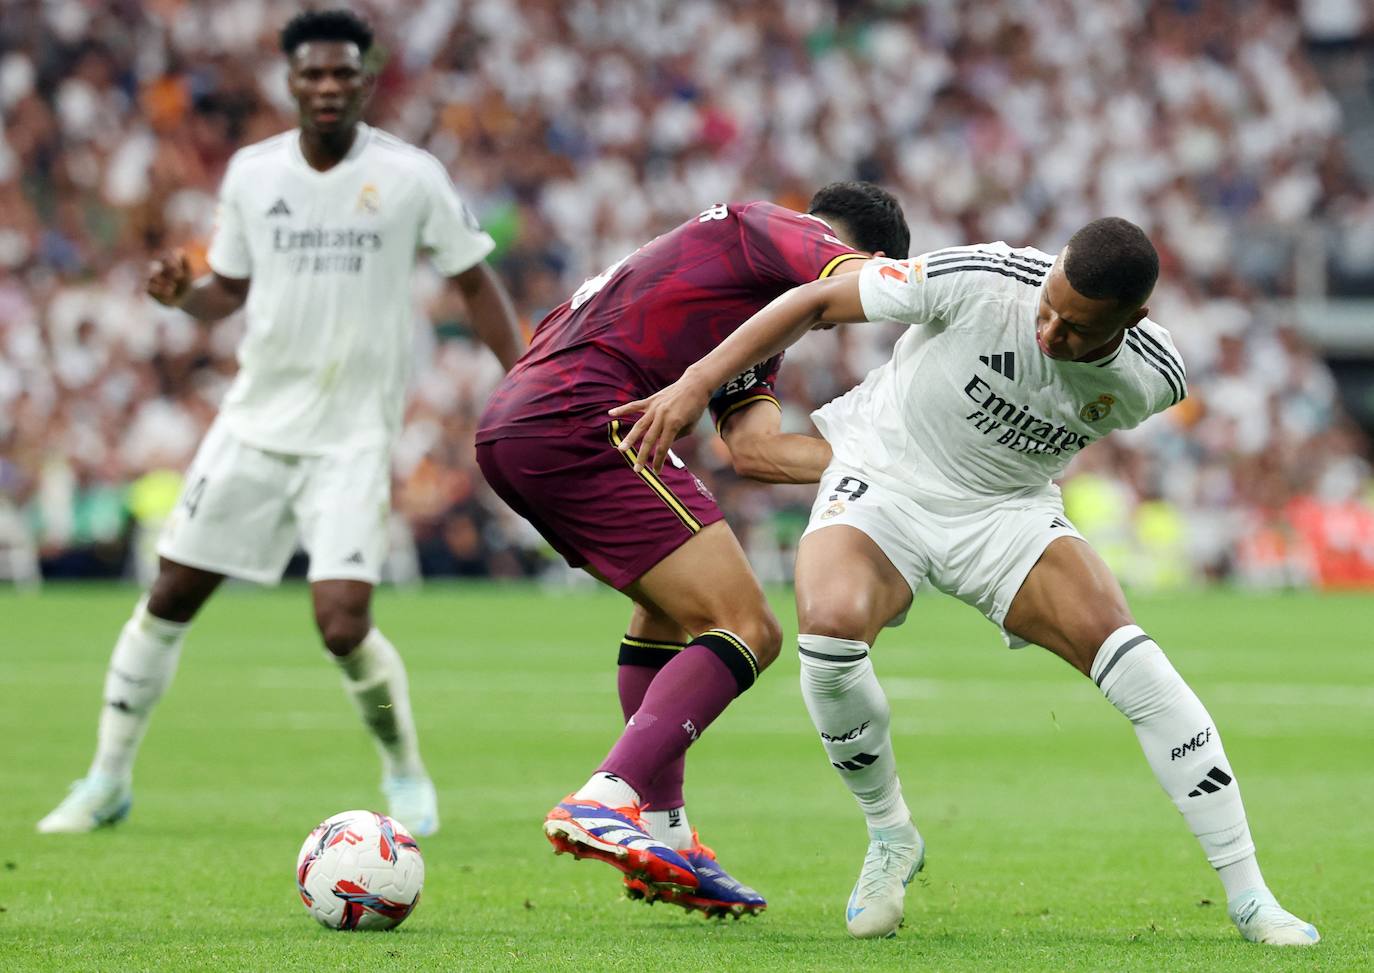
(617, 836)
(718, 894)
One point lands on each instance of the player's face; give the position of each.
(1071, 327)
(329, 85)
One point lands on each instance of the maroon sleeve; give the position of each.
(787, 247)
(754, 384)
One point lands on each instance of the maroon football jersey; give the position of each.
(637, 326)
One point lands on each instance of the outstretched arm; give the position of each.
(493, 314)
(667, 414)
(208, 298)
(760, 450)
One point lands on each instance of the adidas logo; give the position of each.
(1061, 523)
(1003, 364)
(858, 762)
(1218, 779)
(355, 558)
(279, 208)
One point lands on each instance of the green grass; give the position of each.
(1051, 846)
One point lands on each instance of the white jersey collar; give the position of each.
(360, 141)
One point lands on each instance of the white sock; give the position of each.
(670, 827)
(851, 713)
(141, 667)
(375, 677)
(1183, 748)
(608, 789)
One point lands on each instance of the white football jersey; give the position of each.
(969, 410)
(325, 358)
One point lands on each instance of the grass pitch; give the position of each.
(1050, 845)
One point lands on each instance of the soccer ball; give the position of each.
(360, 870)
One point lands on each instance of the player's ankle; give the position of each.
(1241, 877)
(609, 789)
(669, 826)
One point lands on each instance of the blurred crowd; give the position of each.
(578, 129)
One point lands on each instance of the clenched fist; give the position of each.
(169, 277)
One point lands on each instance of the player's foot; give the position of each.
(1261, 919)
(718, 894)
(93, 802)
(412, 801)
(875, 906)
(617, 836)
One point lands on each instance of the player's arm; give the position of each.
(667, 413)
(760, 450)
(492, 312)
(208, 298)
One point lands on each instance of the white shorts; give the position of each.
(980, 557)
(242, 510)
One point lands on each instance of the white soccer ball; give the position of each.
(360, 870)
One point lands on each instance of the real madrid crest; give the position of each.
(1097, 411)
(369, 200)
(834, 510)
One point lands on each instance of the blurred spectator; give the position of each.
(579, 130)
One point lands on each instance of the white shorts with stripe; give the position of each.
(979, 556)
(243, 509)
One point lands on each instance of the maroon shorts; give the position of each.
(583, 495)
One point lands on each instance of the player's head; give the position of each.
(864, 216)
(325, 51)
(1096, 289)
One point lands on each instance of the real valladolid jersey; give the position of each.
(325, 358)
(637, 326)
(969, 409)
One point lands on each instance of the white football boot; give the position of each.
(1260, 919)
(93, 802)
(412, 801)
(875, 906)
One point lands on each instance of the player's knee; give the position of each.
(838, 614)
(1091, 632)
(767, 641)
(341, 630)
(172, 599)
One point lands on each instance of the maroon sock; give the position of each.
(682, 701)
(640, 662)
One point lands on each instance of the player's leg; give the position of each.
(140, 670)
(651, 641)
(226, 522)
(847, 590)
(342, 507)
(1071, 603)
(657, 538)
(705, 585)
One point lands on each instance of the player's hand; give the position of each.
(169, 278)
(665, 416)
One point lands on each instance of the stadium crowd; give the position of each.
(578, 130)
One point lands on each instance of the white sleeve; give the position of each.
(448, 230)
(229, 255)
(901, 290)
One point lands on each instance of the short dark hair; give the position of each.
(326, 25)
(1112, 259)
(871, 214)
